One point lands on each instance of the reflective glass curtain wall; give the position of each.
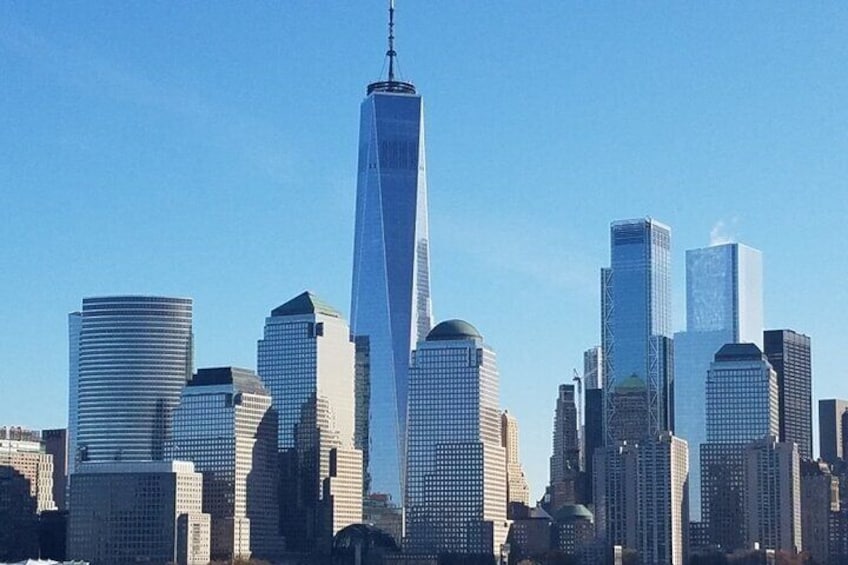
(390, 302)
(636, 330)
(724, 304)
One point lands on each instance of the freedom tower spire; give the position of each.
(390, 297)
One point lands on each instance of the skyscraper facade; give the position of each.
(456, 487)
(517, 489)
(772, 487)
(831, 435)
(742, 407)
(662, 466)
(789, 354)
(390, 299)
(593, 368)
(593, 435)
(138, 512)
(565, 458)
(636, 330)
(225, 425)
(306, 361)
(74, 327)
(724, 304)
(819, 498)
(56, 444)
(134, 356)
(23, 450)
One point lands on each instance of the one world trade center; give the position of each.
(390, 302)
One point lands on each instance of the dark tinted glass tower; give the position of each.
(390, 302)
(789, 354)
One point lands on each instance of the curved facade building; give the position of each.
(134, 356)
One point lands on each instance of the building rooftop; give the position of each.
(573, 512)
(453, 330)
(243, 380)
(739, 352)
(305, 303)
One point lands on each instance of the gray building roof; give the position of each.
(305, 303)
(452, 330)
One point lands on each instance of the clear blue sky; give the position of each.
(208, 150)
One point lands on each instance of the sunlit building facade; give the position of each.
(724, 304)
(636, 330)
(390, 302)
(789, 353)
(517, 489)
(134, 356)
(226, 426)
(456, 487)
(306, 361)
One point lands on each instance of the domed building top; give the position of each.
(453, 330)
(571, 512)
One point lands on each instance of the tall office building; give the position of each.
(662, 466)
(593, 436)
(593, 368)
(831, 437)
(148, 512)
(615, 484)
(819, 498)
(306, 361)
(56, 444)
(456, 487)
(517, 489)
(390, 299)
(74, 327)
(772, 487)
(636, 330)
(742, 407)
(134, 356)
(789, 354)
(724, 304)
(565, 458)
(225, 425)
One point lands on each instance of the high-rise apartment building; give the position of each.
(831, 438)
(724, 304)
(772, 487)
(565, 458)
(789, 354)
(456, 479)
(133, 358)
(56, 444)
(306, 361)
(662, 467)
(517, 489)
(819, 498)
(148, 512)
(390, 302)
(225, 425)
(742, 407)
(593, 368)
(636, 330)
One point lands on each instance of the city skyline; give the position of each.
(61, 224)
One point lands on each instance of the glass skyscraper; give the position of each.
(724, 304)
(133, 358)
(390, 302)
(456, 489)
(789, 353)
(636, 330)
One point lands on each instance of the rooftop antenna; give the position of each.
(391, 53)
(392, 84)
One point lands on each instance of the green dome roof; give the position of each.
(573, 512)
(453, 330)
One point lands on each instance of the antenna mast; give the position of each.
(391, 54)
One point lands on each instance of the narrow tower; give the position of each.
(390, 296)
